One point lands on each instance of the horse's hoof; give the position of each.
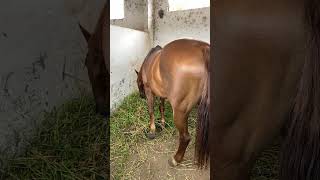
(151, 135)
(160, 128)
(172, 162)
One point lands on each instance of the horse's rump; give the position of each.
(184, 57)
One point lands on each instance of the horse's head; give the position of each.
(140, 84)
(95, 53)
(97, 71)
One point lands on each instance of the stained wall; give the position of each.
(42, 55)
(127, 51)
(130, 42)
(192, 23)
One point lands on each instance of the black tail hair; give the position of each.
(201, 145)
(300, 156)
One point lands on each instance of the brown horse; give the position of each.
(98, 64)
(178, 73)
(266, 78)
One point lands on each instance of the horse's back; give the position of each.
(184, 56)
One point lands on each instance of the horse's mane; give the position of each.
(157, 48)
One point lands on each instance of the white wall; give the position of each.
(38, 38)
(135, 15)
(128, 49)
(194, 23)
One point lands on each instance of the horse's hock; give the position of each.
(43, 49)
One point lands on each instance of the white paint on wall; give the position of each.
(128, 49)
(193, 23)
(116, 9)
(150, 20)
(135, 15)
(178, 5)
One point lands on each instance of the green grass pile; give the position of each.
(70, 143)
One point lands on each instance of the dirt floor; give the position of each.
(151, 162)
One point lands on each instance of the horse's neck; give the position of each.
(101, 27)
(99, 37)
(153, 78)
(151, 66)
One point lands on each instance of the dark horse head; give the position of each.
(139, 73)
(140, 84)
(97, 65)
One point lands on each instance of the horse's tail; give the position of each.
(300, 156)
(201, 145)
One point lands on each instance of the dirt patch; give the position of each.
(150, 161)
(133, 156)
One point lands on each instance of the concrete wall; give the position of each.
(86, 12)
(39, 42)
(136, 15)
(128, 49)
(193, 23)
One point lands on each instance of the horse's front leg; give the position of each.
(150, 100)
(161, 108)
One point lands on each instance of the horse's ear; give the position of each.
(136, 71)
(85, 33)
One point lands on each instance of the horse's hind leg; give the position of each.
(161, 108)
(181, 123)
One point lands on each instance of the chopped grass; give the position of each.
(267, 164)
(71, 143)
(127, 128)
(128, 125)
